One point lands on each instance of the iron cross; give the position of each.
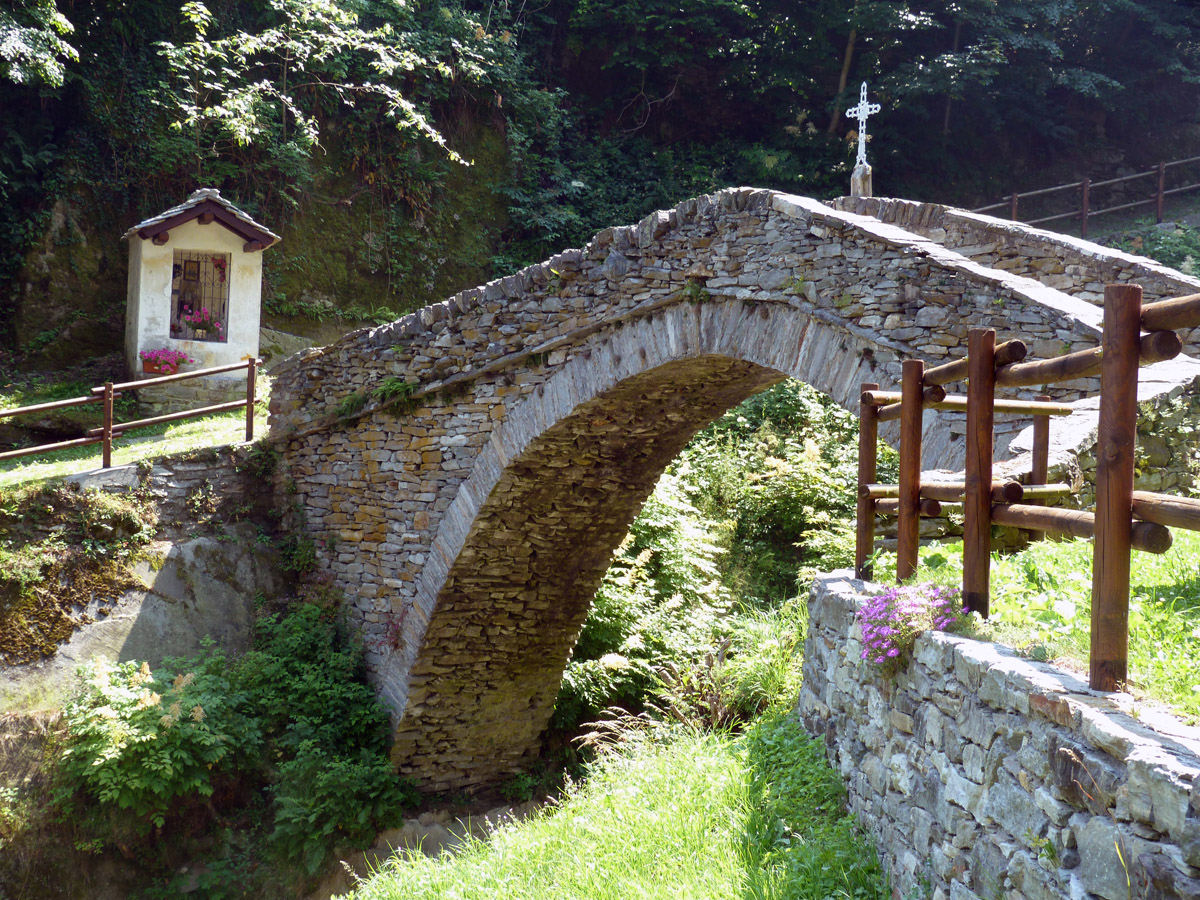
(861, 112)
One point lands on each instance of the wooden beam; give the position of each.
(1108, 661)
(1149, 537)
(1163, 509)
(868, 454)
(946, 491)
(932, 394)
(977, 502)
(253, 246)
(161, 238)
(927, 508)
(1178, 312)
(1155, 347)
(1008, 352)
(909, 514)
(959, 403)
(1011, 407)
(206, 218)
(1034, 492)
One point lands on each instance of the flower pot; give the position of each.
(151, 368)
(201, 334)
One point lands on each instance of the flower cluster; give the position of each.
(165, 360)
(201, 318)
(892, 621)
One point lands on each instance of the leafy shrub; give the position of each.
(325, 796)
(307, 681)
(335, 781)
(142, 741)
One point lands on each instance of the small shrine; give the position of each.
(195, 288)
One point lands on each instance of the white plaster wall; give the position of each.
(150, 311)
(133, 304)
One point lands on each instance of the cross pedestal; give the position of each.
(860, 181)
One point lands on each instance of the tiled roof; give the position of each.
(205, 197)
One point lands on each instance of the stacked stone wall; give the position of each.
(984, 775)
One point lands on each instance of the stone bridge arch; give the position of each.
(468, 470)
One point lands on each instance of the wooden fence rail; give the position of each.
(108, 392)
(1085, 188)
(1124, 520)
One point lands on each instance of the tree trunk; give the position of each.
(949, 94)
(842, 79)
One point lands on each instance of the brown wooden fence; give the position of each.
(1123, 520)
(106, 393)
(1156, 196)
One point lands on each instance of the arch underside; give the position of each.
(517, 595)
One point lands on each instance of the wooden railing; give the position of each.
(1085, 188)
(1123, 520)
(106, 393)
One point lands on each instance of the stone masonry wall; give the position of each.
(984, 775)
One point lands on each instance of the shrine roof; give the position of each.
(208, 205)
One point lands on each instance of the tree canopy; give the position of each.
(582, 113)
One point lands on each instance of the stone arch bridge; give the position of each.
(468, 470)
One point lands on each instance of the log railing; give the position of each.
(106, 393)
(1123, 520)
(1086, 210)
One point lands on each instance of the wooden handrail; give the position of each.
(1157, 346)
(105, 394)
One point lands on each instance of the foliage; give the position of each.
(1177, 246)
(394, 388)
(327, 796)
(892, 621)
(148, 743)
(659, 602)
(32, 48)
(335, 783)
(146, 746)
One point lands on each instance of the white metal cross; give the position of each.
(861, 112)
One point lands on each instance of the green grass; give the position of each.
(135, 446)
(1041, 605)
(680, 815)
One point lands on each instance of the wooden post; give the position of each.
(977, 504)
(909, 513)
(1162, 179)
(868, 454)
(108, 425)
(1087, 189)
(251, 386)
(1108, 669)
(1013, 207)
(1040, 469)
(1041, 444)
